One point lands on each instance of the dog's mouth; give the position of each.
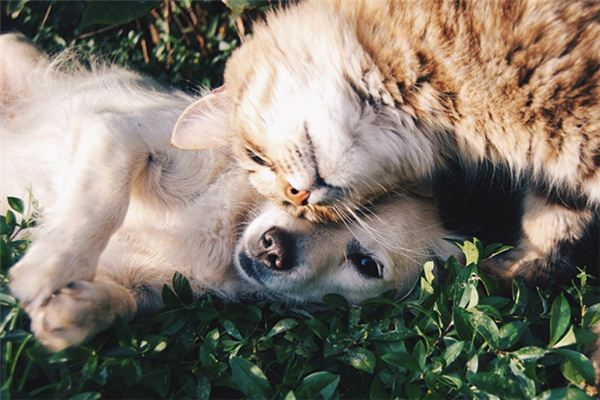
(247, 265)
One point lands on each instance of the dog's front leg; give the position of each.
(92, 198)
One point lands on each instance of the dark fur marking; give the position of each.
(423, 79)
(364, 97)
(423, 61)
(562, 196)
(572, 43)
(556, 91)
(591, 67)
(511, 53)
(529, 99)
(524, 75)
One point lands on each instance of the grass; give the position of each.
(462, 337)
(459, 338)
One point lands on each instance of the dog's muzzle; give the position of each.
(272, 253)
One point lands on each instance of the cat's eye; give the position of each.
(255, 157)
(366, 265)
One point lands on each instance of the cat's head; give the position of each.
(291, 259)
(311, 118)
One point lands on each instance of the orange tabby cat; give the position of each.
(337, 103)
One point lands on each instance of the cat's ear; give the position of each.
(205, 124)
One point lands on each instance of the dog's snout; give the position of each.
(275, 249)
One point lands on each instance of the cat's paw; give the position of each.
(45, 270)
(72, 315)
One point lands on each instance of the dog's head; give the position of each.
(383, 249)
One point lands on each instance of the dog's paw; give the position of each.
(72, 315)
(45, 270)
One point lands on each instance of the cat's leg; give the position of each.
(91, 203)
(544, 252)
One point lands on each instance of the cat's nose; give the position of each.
(276, 248)
(297, 197)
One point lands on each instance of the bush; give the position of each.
(458, 338)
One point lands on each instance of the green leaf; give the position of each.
(203, 388)
(494, 249)
(249, 378)
(462, 323)
(471, 251)
(114, 12)
(579, 363)
(591, 316)
(530, 353)
(496, 382)
(290, 396)
(169, 297)
(526, 384)
(361, 359)
(321, 383)
(402, 360)
(174, 322)
(452, 352)
(282, 326)
(428, 269)
(336, 301)
(238, 7)
(560, 318)
(87, 396)
(14, 7)
(565, 393)
(16, 204)
(232, 330)
(510, 333)
(567, 340)
(182, 288)
(420, 354)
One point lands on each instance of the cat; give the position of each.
(120, 210)
(335, 103)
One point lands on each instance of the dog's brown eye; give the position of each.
(366, 265)
(255, 157)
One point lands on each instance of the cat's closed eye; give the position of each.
(256, 158)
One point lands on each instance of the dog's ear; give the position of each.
(205, 123)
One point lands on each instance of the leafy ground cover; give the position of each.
(462, 337)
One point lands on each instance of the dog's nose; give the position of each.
(275, 249)
(296, 196)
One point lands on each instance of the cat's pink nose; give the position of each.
(297, 197)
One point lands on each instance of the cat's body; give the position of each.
(336, 103)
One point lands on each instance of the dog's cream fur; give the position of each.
(120, 210)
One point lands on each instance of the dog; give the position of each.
(120, 210)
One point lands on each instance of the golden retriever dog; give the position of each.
(120, 210)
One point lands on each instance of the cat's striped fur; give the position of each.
(336, 103)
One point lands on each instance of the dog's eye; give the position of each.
(366, 265)
(255, 157)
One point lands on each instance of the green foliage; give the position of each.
(458, 338)
(185, 43)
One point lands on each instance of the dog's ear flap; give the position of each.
(205, 123)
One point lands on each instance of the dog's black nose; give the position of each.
(276, 248)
